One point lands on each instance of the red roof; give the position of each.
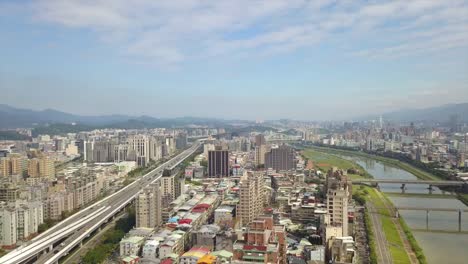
(185, 221)
(200, 208)
(202, 205)
(167, 261)
(260, 248)
(171, 225)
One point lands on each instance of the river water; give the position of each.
(438, 247)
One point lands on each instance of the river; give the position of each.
(438, 247)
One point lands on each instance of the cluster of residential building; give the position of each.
(245, 199)
(243, 209)
(446, 145)
(50, 177)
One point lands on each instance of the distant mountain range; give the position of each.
(441, 114)
(11, 117)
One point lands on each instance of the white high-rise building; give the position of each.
(8, 225)
(141, 145)
(207, 147)
(148, 207)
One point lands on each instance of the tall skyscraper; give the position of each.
(260, 140)
(251, 196)
(281, 158)
(218, 163)
(148, 207)
(141, 145)
(338, 189)
(260, 152)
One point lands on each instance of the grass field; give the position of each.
(422, 195)
(325, 161)
(402, 165)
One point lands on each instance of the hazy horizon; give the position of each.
(255, 60)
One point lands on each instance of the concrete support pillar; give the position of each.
(377, 186)
(430, 189)
(81, 244)
(427, 219)
(51, 247)
(459, 220)
(403, 188)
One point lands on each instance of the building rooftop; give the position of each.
(196, 252)
(133, 239)
(223, 254)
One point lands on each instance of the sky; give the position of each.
(248, 59)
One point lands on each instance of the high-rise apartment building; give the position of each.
(8, 227)
(147, 148)
(281, 158)
(181, 141)
(8, 192)
(260, 140)
(148, 207)
(42, 167)
(338, 194)
(260, 152)
(19, 221)
(252, 196)
(218, 163)
(13, 164)
(140, 144)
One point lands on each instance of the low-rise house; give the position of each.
(131, 246)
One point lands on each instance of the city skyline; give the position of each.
(284, 59)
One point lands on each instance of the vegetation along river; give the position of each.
(448, 246)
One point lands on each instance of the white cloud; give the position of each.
(171, 32)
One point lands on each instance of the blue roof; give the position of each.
(174, 219)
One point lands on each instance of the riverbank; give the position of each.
(422, 195)
(395, 236)
(423, 175)
(420, 174)
(324, 161)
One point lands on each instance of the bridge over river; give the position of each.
(403, 183)
(396, 210)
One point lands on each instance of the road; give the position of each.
(383, 254)
(74, 229)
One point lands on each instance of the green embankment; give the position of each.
(404, 166)
(422, 195)
(370, 239)
(414, 244)
(394, 242)
(325, 161)
(325, 156)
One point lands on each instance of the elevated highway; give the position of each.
(60, 239)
